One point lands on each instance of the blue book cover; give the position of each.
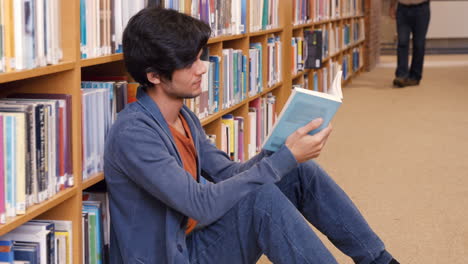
(302, 107)
(235, 80)
(95, 212)
(315, 76)
(259, 84)
(6, 251)
(215, 60)
(26, 251)
(83, 42)
(44, 225)
(243, 16)
(10, 139)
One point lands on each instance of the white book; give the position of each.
(67, 226)
(117, 37)
(57, 29)
(49, 31)
(18, 15)
(39, 30)
(39, 236)
(9, 132)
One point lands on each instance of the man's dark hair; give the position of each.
(161, 41)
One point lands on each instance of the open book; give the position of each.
(302, 107)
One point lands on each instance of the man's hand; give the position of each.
(304, 146)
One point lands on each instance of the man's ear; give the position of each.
(153, 78)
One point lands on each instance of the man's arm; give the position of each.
(302, 146)
(144, 156)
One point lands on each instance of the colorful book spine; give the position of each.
(2, 174)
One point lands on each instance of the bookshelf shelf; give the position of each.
(326, 21)
(101, 60)
(93, 180)
(38, 209)
(215, 116)
(264, 32)
(226, 38)
(299, 74)
(264, 92)
(41, 71)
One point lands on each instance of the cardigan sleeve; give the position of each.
(144, 156)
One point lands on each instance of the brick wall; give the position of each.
(373, 12)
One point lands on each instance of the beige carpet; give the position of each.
(402, 157)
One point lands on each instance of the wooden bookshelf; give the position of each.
(65, 77)
(31, 73)
(92, 180)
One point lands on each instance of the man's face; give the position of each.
(186, 82)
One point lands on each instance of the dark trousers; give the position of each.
(274, 220)
(412, 19)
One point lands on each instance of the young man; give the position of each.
(157, 150)
(412, 17)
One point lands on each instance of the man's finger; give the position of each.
(324, 133)
(311, 125)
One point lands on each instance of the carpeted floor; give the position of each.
(402, 157)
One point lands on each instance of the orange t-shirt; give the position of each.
(188, 155)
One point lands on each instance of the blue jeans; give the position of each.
(411, 20)
(273, 221)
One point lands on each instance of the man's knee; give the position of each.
(268, 197)
(311, 169)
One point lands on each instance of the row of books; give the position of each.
(274, 60)
(234, 77)
(308, 11)
(352, 62)
(208, 101)
(29, 34)
(261, 118)
(232, 136)
(35, 150)
(225, 17)
(321, 79)
(96, 122)
(358, 29)
(102, 98)
(352, 32)
(38, 241)
(232, 66)
(255, 127)
(102, 23)
(263, 14)
(316, 45)
(95, 228)
(178, 5)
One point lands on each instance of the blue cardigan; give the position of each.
(150, 193)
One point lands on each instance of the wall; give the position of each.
(443, 37)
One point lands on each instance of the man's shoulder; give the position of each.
(131, 118)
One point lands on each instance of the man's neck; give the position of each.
(169, 106)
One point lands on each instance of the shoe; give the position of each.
(410, 82)
(394, 261)
(398, 82)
